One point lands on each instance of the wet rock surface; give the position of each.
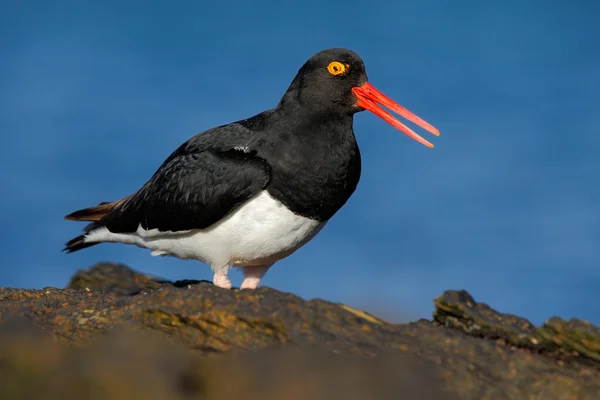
(114, 333)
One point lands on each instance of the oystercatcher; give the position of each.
(252, 192)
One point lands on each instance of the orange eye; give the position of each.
(336, 68)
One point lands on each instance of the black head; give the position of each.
(325, 81)
(335, 81)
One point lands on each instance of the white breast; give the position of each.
(260, 232)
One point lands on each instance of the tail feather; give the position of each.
(96, 213)
(93, 215)
(77, 243)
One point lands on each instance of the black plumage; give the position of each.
(303, 152)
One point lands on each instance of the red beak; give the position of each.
(368, 97)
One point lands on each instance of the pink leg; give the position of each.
(220, 278)
(253, 275)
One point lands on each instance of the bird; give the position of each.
(250, 193)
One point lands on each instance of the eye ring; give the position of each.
(336, 68)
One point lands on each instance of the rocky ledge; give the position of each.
(114, 333)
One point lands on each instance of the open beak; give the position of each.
(368, 97)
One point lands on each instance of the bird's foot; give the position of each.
(253, 276)
(250, 283)
(221, 280)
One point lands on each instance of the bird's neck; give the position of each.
(321, 123)
(297, 101)
(317, 115)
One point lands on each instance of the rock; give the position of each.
(115, 333)
(575, 340)
(114, 278)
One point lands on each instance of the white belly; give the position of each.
(260, 232)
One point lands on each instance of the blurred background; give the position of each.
(95, 95)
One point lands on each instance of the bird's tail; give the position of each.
(77, 243)
(96, 213)
(93, 215)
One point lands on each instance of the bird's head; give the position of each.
(335, 80)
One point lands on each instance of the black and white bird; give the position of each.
(252, 192)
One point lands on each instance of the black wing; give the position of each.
(200, 183)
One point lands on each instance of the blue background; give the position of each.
(94, 96)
